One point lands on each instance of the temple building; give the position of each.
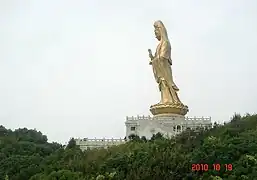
(147, 126)
(169, 126)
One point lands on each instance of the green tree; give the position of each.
(71, 144)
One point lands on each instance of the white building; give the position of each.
(147, 126)
(86, 143)
(169, 125)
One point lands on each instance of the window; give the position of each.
(178, 128)
(133, 128)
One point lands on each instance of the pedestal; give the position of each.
(171, 108)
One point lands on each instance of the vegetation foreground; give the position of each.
(224, 152)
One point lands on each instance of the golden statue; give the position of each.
(161, 63)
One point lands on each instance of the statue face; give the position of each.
(157, 33)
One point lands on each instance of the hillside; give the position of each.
(26, 155)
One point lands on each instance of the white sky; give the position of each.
(78, 68)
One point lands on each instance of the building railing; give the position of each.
(198, 118)
(131, 118)
(103, 140)
(136, 118)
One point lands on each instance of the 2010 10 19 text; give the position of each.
(216, 167)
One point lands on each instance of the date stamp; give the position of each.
(207, 167)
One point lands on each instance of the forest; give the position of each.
(227, 151)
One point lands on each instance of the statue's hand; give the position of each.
(150, 54)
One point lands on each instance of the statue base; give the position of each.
(169, 108)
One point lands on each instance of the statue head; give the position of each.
(160, 31)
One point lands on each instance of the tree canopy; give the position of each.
(226, 151)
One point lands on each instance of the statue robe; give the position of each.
(162, 65)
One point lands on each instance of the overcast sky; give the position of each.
(78, 68)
